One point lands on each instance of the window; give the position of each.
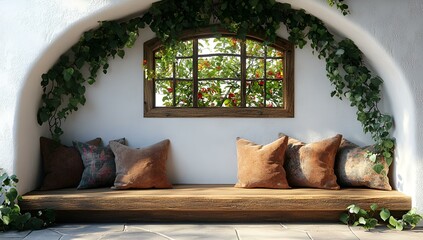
(219, 76)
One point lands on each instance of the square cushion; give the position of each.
(141, 168)
(62, 165)
(312, 164)
(354, 169)
(261, 165)
(99, 165)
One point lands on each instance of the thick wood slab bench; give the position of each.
(208, 203)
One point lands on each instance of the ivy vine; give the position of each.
(64, 85)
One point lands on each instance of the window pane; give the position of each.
(272, 52)
(219, 45)
(219, 93)
(219, 67)
(274, 68)
(254, 48)
(163, 69)
(254, 93)
(184, 68)
(184, 94)
(255, 68)
(274, 94)
(184, 49)
(164, 93)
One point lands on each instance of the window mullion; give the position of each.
(243, 73)
(195, 72)
(174, 83)
(265, 76)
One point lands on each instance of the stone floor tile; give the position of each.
(317, 226)
(80, 229)
(44, 234)
(260, 233)
(338, 235)
(14, 234)
(188, 231)
(384, 233)
(133, 235)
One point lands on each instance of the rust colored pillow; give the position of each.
(261, 166)
(354, 169)
(312, 165)
(62, 165)
(141, 168)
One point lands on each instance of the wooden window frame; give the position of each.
(150, 110)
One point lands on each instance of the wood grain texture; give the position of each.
(209, 203)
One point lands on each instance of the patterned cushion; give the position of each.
(141, 168)
(99, 165)
(261, 166)
(312, 165)
(62, 165)
(354, 169)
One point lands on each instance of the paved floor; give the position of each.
(212, 231)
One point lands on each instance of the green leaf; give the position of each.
(67, 73)
(361, 220)
(392, 221)
(355, 209)
(12, 194)
(344, 218)
(384, 214)
(378, 168)
(399, 226)
(373, 157)
(121, 53)
(373, 207)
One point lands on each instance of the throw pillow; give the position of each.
(261, 166)
(354, 169)
(141, 168)
(99, 165)
(62, 165)
(312, 165)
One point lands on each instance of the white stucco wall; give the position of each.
(34, 34)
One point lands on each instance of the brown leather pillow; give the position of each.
(141, 168)
(62, 165)
(312, 165)
(354, 169)
(261, 166)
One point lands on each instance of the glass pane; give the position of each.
(164, 93)
(184, 93)
(219, 93)
(219, 67)
(184, 49)
(219, 45)
(274, 94)
(274, 68)
(254, 48)
(163, 69)
(255, 68)
(255, 93)
(184, 68)
(272, 52)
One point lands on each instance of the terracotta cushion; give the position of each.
(141, 168)
(62, 165)
(261, 165)
(354, 169)
(99, 165)
(312, 165)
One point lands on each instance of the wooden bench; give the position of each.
(208, 203)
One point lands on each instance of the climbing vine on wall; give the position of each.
(64, 85)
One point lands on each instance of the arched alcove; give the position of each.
(397, 100)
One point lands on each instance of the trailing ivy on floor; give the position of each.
(11, 217)
(64, 85)
(357, 216)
